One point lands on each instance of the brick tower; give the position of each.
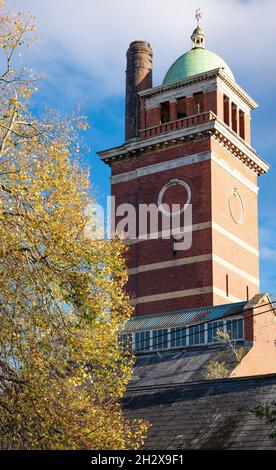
(188, 141)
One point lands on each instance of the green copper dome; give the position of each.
(197, 60)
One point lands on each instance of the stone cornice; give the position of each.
(179, 84)
(214, 128)
(234, 144)
(217, 73)
(238, 90)
(163, 140)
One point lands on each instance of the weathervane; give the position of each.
(198, 15)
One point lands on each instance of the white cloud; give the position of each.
(90, 38)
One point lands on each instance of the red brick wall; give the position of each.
(248, 325)
(157, 251)
(159, 156)
(153, 117)
(174, 305)
(232, 252)
(210, 101)
(260, 326)
(145, 190)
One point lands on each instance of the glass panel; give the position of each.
(137, 341)
(146, 339)
(164, 339)
(240, 328)
(178, 337)
(175, 337)
(235, 329)
(210, 332)
(155, 339)
(229, 327)
(196, 335)
(160, 339)
(220, 326)
(192, 335)
(142, 341)
(213, 329)
(202, 334)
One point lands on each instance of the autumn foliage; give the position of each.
(62, 369)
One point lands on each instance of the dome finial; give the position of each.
(198, 36)
(198, 15)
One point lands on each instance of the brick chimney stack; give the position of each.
(138, 78)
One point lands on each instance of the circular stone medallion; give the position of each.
(236, 206)
(174, 192)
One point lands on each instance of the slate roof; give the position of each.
(204, 415)
(185, 410)
(178, 366)
(183, 317)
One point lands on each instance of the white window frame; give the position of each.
(188, 335)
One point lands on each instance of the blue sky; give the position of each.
(81, 51)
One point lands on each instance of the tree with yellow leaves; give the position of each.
(63, 371)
